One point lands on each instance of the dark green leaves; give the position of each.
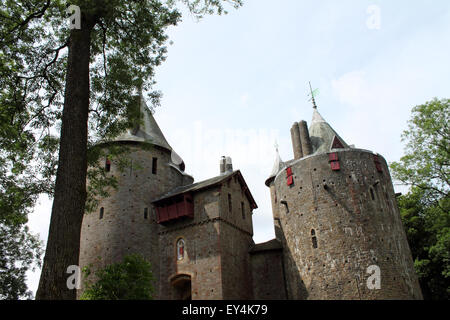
(132, 279)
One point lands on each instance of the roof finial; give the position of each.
(313, 92)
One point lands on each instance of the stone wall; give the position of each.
(217, 244)
(202, 261)
(335, 224)
(267, 275)
(123, 229)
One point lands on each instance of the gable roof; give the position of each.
(209, 183)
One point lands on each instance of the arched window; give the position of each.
(102, 210)
(180, 249)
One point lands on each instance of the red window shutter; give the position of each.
(335, 166)
(290, 180)
(333, 156)
(288, 172)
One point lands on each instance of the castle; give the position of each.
(334, 209)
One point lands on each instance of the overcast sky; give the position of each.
(234, 84)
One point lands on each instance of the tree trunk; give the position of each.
(70, 188)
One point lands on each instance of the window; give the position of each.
(154, 165)
(243, 210)
(180, 249)
(107, 165)
(372, 195)
(102, 210)
(229, 203)
(145, 213)
(314, 238)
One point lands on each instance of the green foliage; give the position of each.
(425, 210)
(427, 159)
(428, 231)
(19, 252)
(128, 41)
(132, 279)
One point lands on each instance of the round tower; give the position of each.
(124, 223)
(339, 223)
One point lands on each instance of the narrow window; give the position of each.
(243, 210)
(154, 165)
(372, 195)
(314, 238)
(180, 249)
(145, 213)
(107, 165)
(102, 210)
(229, 203)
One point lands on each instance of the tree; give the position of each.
(100, 67)
(425, 210)
(132, 279)
(426, 162)
(19, 250)
(428, 231)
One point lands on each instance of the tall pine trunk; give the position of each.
(70, 188)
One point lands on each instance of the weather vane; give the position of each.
(313, 93)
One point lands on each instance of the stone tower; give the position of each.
(336, 215)
(125, 223)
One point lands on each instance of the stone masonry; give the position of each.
(336, 221)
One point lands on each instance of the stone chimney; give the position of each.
(226, 165)
(296, 141)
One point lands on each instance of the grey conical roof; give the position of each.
(146, 131)
(277, 166)
(322, 134)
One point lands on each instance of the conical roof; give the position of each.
(146, 131)
(322, 135)
(277, 166)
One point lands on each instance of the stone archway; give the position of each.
(181, 287)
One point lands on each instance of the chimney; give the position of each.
(222, 165)
(304, 138)
(226, 166)
(296, 142)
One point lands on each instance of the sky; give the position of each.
(233, 85)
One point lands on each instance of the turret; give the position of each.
(277, 167)
(124, 222)
(335, 213)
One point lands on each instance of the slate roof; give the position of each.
(147, 131)
(277, 166)
(207, 184)
(322, 134)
